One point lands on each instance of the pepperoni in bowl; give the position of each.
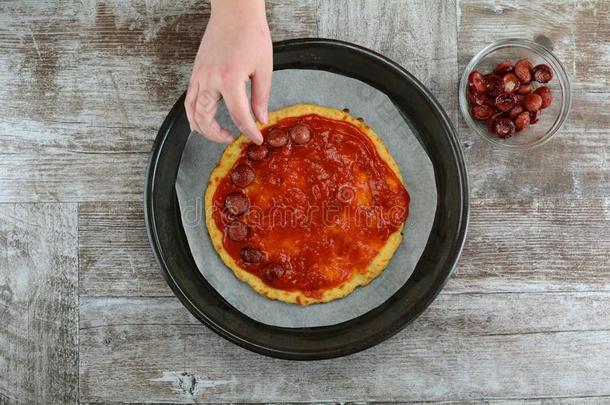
(516, 81)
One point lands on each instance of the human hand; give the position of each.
(236, 47)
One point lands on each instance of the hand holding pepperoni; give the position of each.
(235, 48)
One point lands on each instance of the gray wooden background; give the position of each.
(86, 317)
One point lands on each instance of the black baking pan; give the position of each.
(439, 140)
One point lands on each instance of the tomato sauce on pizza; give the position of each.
(310, 207)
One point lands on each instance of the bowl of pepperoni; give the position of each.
(515, 93)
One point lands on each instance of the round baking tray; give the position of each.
(439, 139)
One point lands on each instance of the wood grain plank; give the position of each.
(86, 85)
(289, 20)
(69, 162)
(477, 313)
(464, 347)
(209, 403)
(421, 36)
(594, 399)
(513, 401)
(115, 256)
(536, 244)
(575, 162)
(38, 304)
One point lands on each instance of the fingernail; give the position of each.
(265, 117)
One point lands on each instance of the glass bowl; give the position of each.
(551, 118)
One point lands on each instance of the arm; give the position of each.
(235, 48)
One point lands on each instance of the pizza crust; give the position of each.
(228, 159)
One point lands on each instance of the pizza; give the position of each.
(314, 212)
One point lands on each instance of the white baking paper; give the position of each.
(328, 89)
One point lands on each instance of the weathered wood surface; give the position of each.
(465, 346)
(84, 88)
(536, 244)
(38, 304)
(421, 36)
(115, 256)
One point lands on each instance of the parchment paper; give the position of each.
(328, 89)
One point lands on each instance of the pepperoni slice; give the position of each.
(242, 176)
(522, 121)
(532, 102)
(494, 85)
(491, 121)
(300, 134)
(272, 271)
(482, 112)
(479, 99)
(511, 83)
(257, 152)
(237, 203)
(543, 73)
(237, 231)
(504, 127)
(277, 138)
(519, 98)
(503, 68)
(250, 255)
(534, 116)
(523, 70)
(505, 102)
(515, 111)
(546, 94)
(476, 83)
(525, 89)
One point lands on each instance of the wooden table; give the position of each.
(85, 315)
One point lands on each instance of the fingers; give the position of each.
(261, 87)
(212, 131)
(189, 105)
(201, 108)
(204, 117)
(238, 106)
